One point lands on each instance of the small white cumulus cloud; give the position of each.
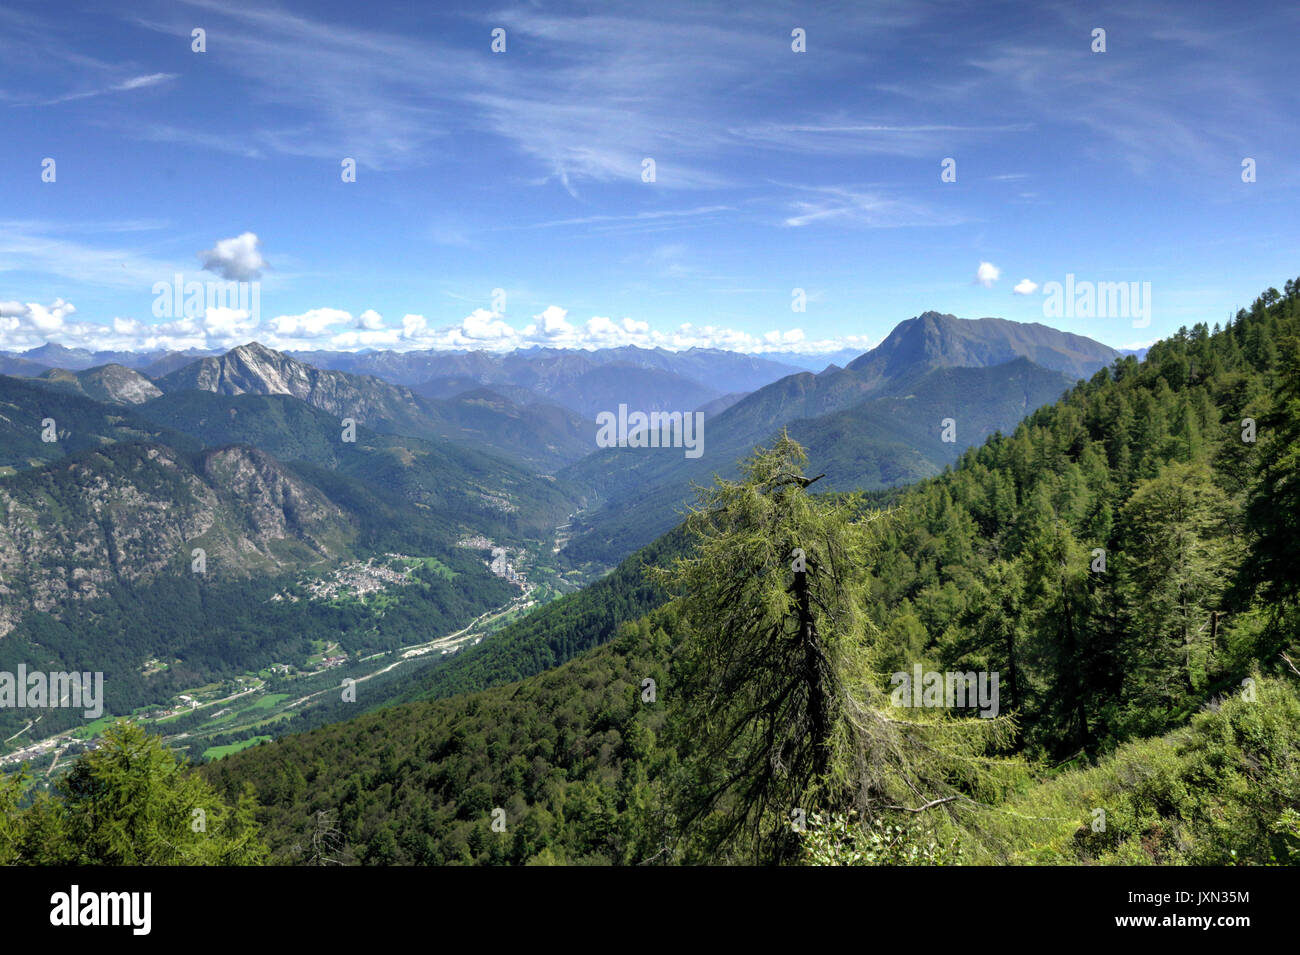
(790, 337)
(483, 325)
(43, 318)
(552, 323)
(238, 259)
(310, 324)
(987, 274)
(1025, 287)
(29, 325)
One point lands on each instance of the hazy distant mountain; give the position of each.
(167, 362)
(724, 370)
(719, 405)
(405, 367)
(116, 384)
(586, 381)
(605, 387)
(817, 362)
(880, 442)
(58, 356)
(79, 359)
(11, 364)
(572, 380)
(258, 370)
(543, 434)
(454, 385)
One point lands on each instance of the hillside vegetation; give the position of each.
(1156, 689)
(1124, 561)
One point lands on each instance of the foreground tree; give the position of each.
(777, 707)
(129, 802)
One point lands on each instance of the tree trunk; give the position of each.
(1073, 655)
(818, 701)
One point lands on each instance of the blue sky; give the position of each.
(523, 170)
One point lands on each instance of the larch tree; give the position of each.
(130, 801)
(777, 706)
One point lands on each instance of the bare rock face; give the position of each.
(115, 384)
(118, 384)
(71, 529)
(258, 370)
(530, 430)
(273, 503)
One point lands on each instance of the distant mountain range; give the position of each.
(813, 362)
(532, 404)
(880, 419)
(283, 469)
(586, 381)
(876, 421)
(79, 359)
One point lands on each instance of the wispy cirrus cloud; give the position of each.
(857, 138)
(873, 208)
(233, 143)
(59, 251)
(134, 83)
(631, 220)
(596, 94)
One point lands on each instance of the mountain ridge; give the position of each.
(916, 349)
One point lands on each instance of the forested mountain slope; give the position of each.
(461, 484)
(109, 558)
(994, 566)
(921, 425)
(1107, 557)
(576, 759)
(75, 423)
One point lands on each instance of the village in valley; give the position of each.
(248, 703)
